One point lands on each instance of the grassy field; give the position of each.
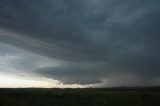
(80, 97)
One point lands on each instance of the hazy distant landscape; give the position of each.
(149, 96)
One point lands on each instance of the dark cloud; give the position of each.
(70, 75)
(96, 39)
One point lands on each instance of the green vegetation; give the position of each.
(80, 97)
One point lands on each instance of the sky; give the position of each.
(79, 43)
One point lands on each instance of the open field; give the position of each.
(81, 97)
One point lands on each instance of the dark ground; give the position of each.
(149, 96)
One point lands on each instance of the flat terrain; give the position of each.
(81, 97)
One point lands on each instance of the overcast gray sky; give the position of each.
(84, 42)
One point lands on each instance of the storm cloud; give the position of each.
(93, 41)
